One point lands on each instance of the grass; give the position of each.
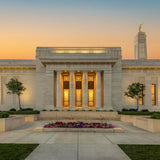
(15, 151)
(142, 152)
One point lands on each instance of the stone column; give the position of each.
(98, 90)
(148, 93)
(85, 90)
(50, 88)
(108, 90)
(9, 96)
(58, 90)
(72, 89)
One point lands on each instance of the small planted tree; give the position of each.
(16, 87)
(135, 91)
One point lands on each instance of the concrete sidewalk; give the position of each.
(79, 146)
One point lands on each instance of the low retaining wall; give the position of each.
(73, 115)
(10, 123)
(152, 125)
(129, 118)
(99, 130)
(28, 117)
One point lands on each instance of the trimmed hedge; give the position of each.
(24, 112)
(4, 115)
(156, 116)
(136, 113)
(20, 112)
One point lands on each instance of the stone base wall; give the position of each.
(79, 115)
(10, 123)
(129, 118)
(152, 125)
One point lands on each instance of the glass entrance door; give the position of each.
(78, 89)
(91, 89)
(66, 89)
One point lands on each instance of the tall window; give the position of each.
(78, 89)
(66, 89)
(153, 94)
(91, 89)
(141, 100)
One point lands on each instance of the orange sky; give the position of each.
(24, 27)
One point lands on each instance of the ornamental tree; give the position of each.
(15, 87)
(135, 91)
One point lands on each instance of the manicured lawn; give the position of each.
(16, 151)
(142, 152)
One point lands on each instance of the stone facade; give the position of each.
(44, 81)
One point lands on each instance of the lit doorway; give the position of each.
(78, 89)
(66, 88)
(91, 89)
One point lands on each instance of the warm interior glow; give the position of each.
(79, 51)
(153, 94)
(66, 97)
(78, 98)
(90, 94)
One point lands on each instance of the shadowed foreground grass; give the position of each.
(16, 151)
(142, 152)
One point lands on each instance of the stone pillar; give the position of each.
(98, 90)
(108, 90)
(58, 90)
(50, 88)
(72, 89)
(148, 93)
(85, 90)
(9, 96)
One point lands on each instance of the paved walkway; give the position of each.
(78, 145)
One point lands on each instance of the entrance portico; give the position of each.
(79, 89)
(78, 78)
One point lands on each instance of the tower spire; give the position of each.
(140, 45)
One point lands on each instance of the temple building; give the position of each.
(82, 78)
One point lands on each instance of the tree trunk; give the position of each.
(20, 108)
(137, 104)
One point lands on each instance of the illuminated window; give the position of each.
(78, 89)
(153, 94)
(91, 89)
(141, 99)
(66, 89)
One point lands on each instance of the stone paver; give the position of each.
(79, 145)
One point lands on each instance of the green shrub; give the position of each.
(4, 115)
(12, 109)
(124, 109)
(132, 109)
(44, 110)
(27, 109)
(135, 113)
(51, 110)
(56, 110)
(156, 116)
(145, 110)
(24, 112)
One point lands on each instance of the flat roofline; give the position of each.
(37, 48)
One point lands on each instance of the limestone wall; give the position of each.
(146, 72)
(24, 71)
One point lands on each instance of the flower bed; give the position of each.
(78, 125)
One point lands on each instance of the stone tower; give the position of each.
(140, 46)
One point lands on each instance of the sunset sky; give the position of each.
(26, 24)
